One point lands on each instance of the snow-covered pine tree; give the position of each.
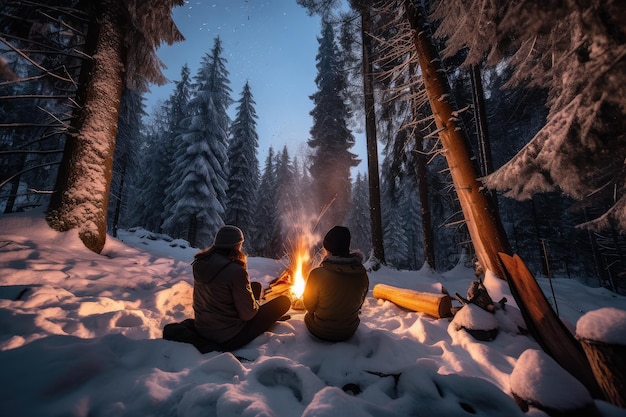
(286, 188)
(172, 146)
(358, 220)
(410, 217)
(303, 187)
(201, 172)
(396, 249)
(243, 174)
(129, 128)
(147, 201)
(331, 139)
(267, 223)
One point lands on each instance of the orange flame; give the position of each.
(301, 258)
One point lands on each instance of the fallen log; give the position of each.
(435, 305)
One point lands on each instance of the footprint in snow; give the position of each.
(282, 377)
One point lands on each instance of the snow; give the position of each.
(607, 325)
(81, 335)
(474, 317)
(536, 375)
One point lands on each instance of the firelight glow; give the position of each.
(299, 261)
(299, 282)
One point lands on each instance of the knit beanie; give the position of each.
(337, 241)
(228, 237)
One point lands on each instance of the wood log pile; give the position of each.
(282, 286)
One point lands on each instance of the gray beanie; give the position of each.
(228, 237)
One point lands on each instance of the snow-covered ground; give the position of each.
(80, 335)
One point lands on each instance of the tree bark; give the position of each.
(435, 305)
(484, 225)
(378, 250)
(480, 113)
(82, 191)
(421, 170)
(428, 239)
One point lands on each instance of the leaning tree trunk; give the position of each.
(484, 226)
(378, 250)
(82, 191)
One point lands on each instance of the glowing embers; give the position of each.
(292, 280)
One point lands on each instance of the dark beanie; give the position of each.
(228, 237)
(337, 241)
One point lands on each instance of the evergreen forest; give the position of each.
(534, 137)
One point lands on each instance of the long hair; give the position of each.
(234, 254)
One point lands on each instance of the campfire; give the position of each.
(292, 280)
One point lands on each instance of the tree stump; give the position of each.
(602, 334)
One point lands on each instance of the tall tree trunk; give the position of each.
(378, 250)
(484, 226)
(484, 142)
(428, 239)
(421, 170)
(480, 114)
(82, 191)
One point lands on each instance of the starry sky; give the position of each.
(272, 44)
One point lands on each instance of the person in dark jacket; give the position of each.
(336, 290)
(225, 302)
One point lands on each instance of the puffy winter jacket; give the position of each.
(333, 297)
(222, 298)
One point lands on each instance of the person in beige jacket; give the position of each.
(336, 290)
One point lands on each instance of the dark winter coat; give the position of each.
(222, 298)
(333, 297)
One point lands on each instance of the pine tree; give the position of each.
(576, 51)
(395, 239)
(358, 220)
(146, 191)
(126, 148)
(286, 186)
(161, 145)
(243, 175)
(171, 145)
(122, 44)
(330, 137)
(267, 227)
(39, 67)
(410, 217)
(201, 169)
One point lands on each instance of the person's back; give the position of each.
(335, 290)
(222, 299)
(226, 304)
